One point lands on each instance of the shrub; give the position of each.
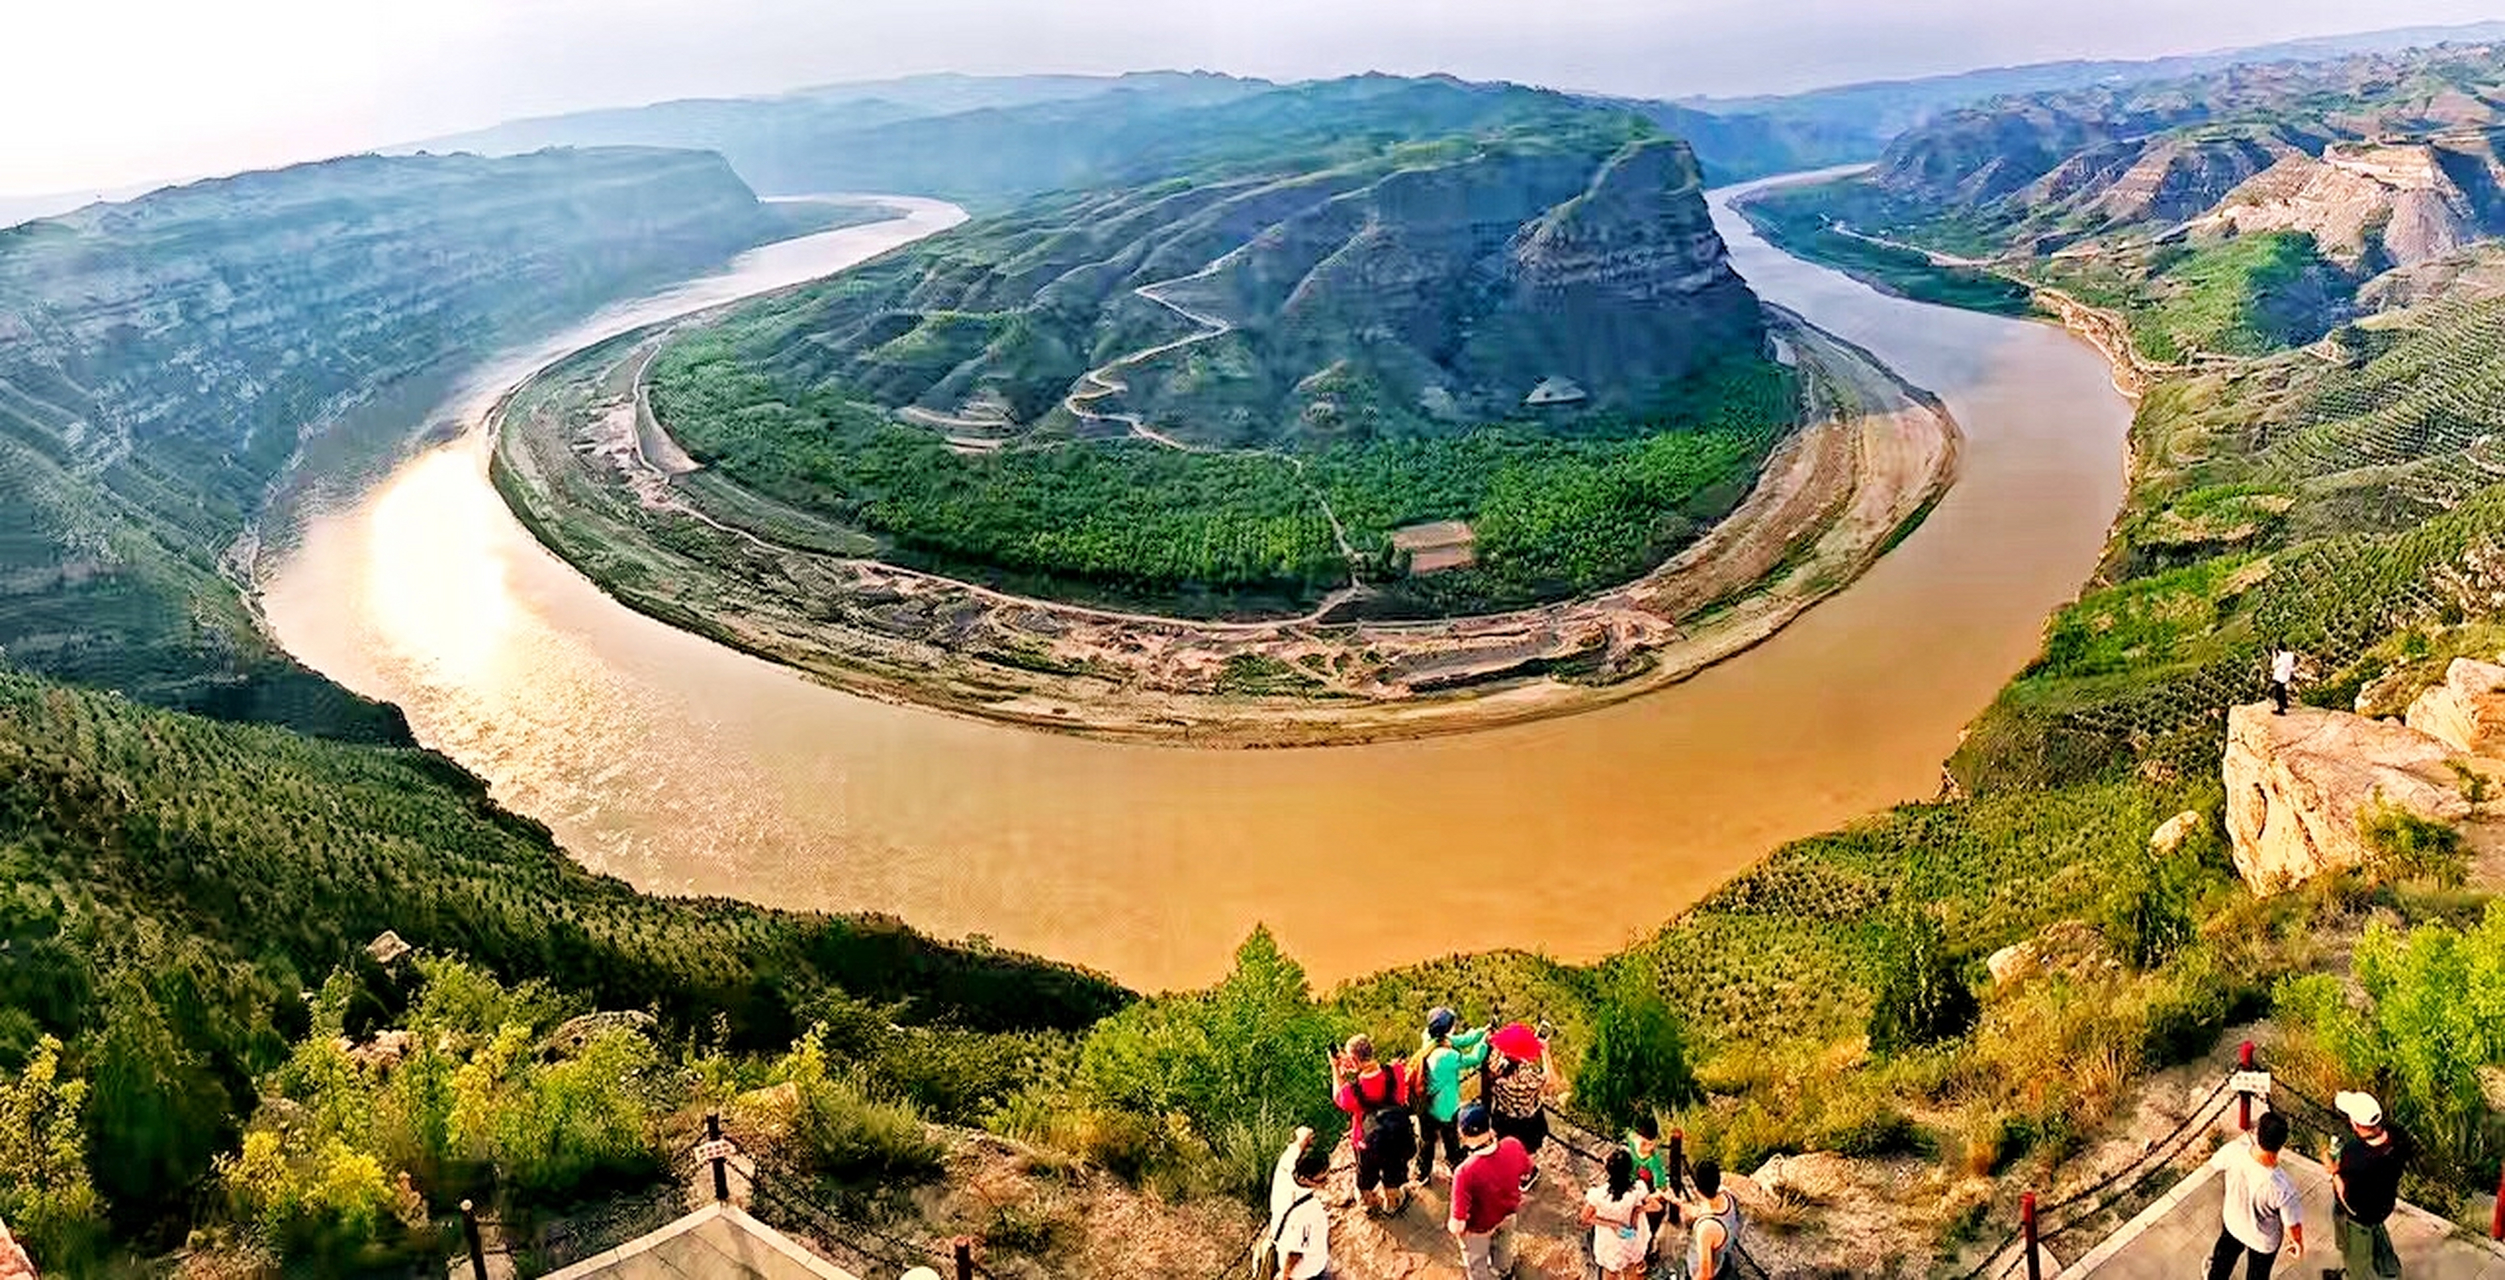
(2149, 915)
(1638, 1060)
(2432, 1017)
(2409, 847)
(44, 1188)
(312, 1198)
(842, 1131)
(1918, 996)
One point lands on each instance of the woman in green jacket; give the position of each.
(1444, 1054)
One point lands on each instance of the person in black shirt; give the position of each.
(2365, 1184)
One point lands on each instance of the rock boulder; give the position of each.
(2170, 834)
(2467, 711)
(2297, 786)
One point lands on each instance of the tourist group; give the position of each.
(1403, 1113)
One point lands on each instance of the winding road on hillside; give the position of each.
(687, 767)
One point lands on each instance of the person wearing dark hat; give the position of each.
(2365, 1185)
(2261, 1208)
(1487, 1192)
(1444, 1053)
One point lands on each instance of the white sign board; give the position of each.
(718, 1149)
(2256, 1083)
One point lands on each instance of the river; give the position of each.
(688, 768)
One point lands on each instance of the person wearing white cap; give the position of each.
(2365, 1184)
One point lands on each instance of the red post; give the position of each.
(1678, 1161)
(2244, 1101)
(965, 1258)
(2026, 1224)
(2496, 1218)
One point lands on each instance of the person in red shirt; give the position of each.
(1376, 1098)
(1487, 1192)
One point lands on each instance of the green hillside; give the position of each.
(162, 363)
(173, 884)
(1347, 293)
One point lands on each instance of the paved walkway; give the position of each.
(2171, 1239)
(719, 1241)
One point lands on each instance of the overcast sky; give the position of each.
(100, 93)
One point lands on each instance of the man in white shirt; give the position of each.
(2261, 1201)
(1299, 1242)
(2282, 675)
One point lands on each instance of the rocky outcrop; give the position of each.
(2364, 204)
(2467, 711)
(2299, 785)
(1621, 287)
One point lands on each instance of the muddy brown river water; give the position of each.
(688, 768)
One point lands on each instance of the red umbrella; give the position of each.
(1516, 1040)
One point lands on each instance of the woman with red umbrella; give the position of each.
(1517, 1088)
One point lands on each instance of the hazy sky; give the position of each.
(99, 93)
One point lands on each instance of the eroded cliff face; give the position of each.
(1622, 287)
(162, 360)
(2377, 205)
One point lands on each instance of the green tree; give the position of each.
(1249, 1050)
(44, 1188)
(1917, 994)
(157, 1114)
(1638, 1061)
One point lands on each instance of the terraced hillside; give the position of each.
(162, 363)
(2347, 501)
(1340, 310)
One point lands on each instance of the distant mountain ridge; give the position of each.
(1862, 118)
(2385, 160)
(992, 140)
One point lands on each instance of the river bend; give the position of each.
(686, 767)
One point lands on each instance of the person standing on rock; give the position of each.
(1614, 1210)
(1714, 1238)
(1487, 1192)
(1518, 1086)
(1444, 1053)
(2282, 675)
(1376, 1098)
(2261, 1206)
(2365, 1185)
(1298, 1246)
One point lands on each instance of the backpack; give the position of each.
(1265, 1260)
(1391, 1133)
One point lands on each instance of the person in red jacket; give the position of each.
(1376, 1098)
(1487, 1192)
